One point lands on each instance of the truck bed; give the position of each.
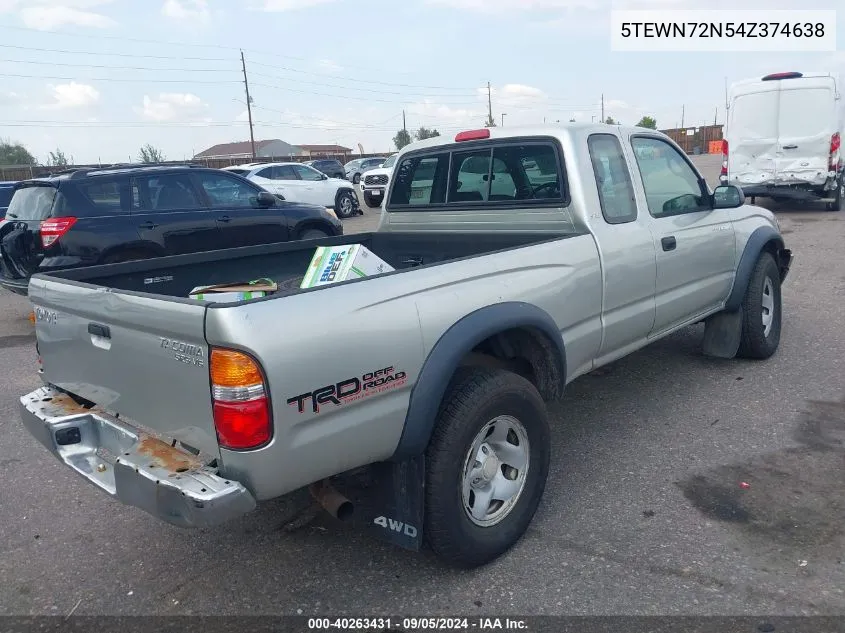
(285, 263)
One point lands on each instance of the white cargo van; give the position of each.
(783, 138)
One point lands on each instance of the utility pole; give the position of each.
(404, 128)
(248, 106)
(715, 115)
(602, 108)
(682, 115)
(503, 119)
(489, 105)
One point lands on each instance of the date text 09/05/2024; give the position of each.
(418, 624)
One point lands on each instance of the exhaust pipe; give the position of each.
(332, 501)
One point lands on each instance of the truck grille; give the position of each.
(380, 179)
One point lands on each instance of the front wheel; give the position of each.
(372, 201)
(356, 179)
(345, 204)
(486, 466)
(836, 205)
(761, 311)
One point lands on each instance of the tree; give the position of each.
(424, 133)
(609, 120)
(150, 154)
(572, 120)
(490, 122)
(402, 139)
(15, 154)
(57, 159)
(648, 122)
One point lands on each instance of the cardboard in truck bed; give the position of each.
(332, 264)
(239, 291)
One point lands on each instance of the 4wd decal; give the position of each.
(350, 389)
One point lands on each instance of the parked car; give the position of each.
(101, 216)
(356, 168)
(440, 377)
(783, 138)
(332, 168)
(375, 182)
(302, 183)
(7, 188)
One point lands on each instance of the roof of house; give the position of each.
(241, 147)
(325, 148)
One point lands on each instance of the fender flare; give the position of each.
(753, 247)
(444, 357)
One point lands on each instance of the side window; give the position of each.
(226, 192)
(470, 177)
(171, 192)
(284, 172)
(420, 181)
(106, 196)
(526, 172)
(307, 173)
(267, 172)
(616, 192)
(671, 186)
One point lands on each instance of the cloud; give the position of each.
(243, 116)
(72, 95)
(7, 98)
(430, 109)
(329, 65)
(51, 15)
(509, 6)
(188, 10)
(286, 5)
(175, 106)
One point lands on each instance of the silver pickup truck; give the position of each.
(524, 258)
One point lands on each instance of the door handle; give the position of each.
(669, 243)
(790, 147)
(147, 225)
(99, 330)
(225, 218)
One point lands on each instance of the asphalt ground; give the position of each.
(644, 512)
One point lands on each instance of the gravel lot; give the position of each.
(643, 512)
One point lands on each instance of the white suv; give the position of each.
(301, 183)
(374, 182)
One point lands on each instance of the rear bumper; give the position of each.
(131, 466)
(782, 191)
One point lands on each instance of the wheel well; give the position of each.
(526, 351)
(776, 250)
(313, 224)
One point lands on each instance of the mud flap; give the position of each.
(391, 508)
(722, 334)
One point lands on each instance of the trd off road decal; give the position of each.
(350, 389)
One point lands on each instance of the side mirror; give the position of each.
(266, 199)
(323, 177)
(728, 197)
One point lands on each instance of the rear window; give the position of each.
(806, 112)
(501, 174)
(754, 116)
(32, 203)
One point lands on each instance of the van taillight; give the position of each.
(724, 172)
(240, 401)
(835, 144)
(54, 228)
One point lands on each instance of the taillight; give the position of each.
(54, 228)
(835, 144)
(239, 400)
(724, 172)
(472, 135)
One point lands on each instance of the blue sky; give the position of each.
(99, 78)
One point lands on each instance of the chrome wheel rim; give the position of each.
(495, 471)
(768, 302)
(345, 205)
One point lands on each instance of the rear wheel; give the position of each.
(761, 311)
(836, 205)
(345, 204)
(486, 466)
(313, 234)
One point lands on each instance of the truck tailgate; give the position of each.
(141, 357)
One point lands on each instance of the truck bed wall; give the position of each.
(285, 263)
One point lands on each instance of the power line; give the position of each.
(100, 66)
(386, 92)
(337, 96)
(126, 79)
(112, 54)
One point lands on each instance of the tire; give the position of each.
(344, 204)
(475, 398)
(836, 205)
(762, 297)
(313, 234)
(356, 179)
(372, 202)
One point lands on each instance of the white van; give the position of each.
(783, 136)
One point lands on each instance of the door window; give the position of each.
(307, 173)
(226, 192)
(616, 193)
(171, 192)
(671, 186)
(421, 181)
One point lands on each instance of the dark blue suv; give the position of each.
(97, 216)
(7, 189)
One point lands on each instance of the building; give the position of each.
(704, 139)
(272, 148)
(327, 151)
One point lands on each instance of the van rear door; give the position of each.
(806, 121)
(753, 135)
